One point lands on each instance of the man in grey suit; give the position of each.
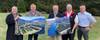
(33, 12)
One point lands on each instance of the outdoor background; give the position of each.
(45, 6)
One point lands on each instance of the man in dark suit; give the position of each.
(55, 14)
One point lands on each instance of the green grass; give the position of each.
(94, 33)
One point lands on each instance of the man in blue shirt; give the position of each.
(85, 21)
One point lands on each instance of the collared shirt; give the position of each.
(69, 14)
(55, 13)
(35, 13)
(85, 19)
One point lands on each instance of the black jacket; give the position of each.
(11, 27)
(51, 15)
(72, 17)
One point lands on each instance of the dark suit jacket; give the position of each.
(51, 15)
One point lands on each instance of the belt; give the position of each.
(81, 27)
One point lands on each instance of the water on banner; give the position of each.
(30, 25)
(63, 25)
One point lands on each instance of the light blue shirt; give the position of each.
(85, 19)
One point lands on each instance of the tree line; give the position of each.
(46, 5)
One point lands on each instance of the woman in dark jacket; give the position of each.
(11, 22)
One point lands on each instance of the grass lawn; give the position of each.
(94, 33)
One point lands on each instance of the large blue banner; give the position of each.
(59, 26)
(30, 25)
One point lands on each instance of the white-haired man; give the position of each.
(69, 13)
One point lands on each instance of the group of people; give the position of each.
(81, 21)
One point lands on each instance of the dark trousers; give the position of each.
(82, 32)
(10, 36)
(68, 36)
(18, 37)
(31, 35)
